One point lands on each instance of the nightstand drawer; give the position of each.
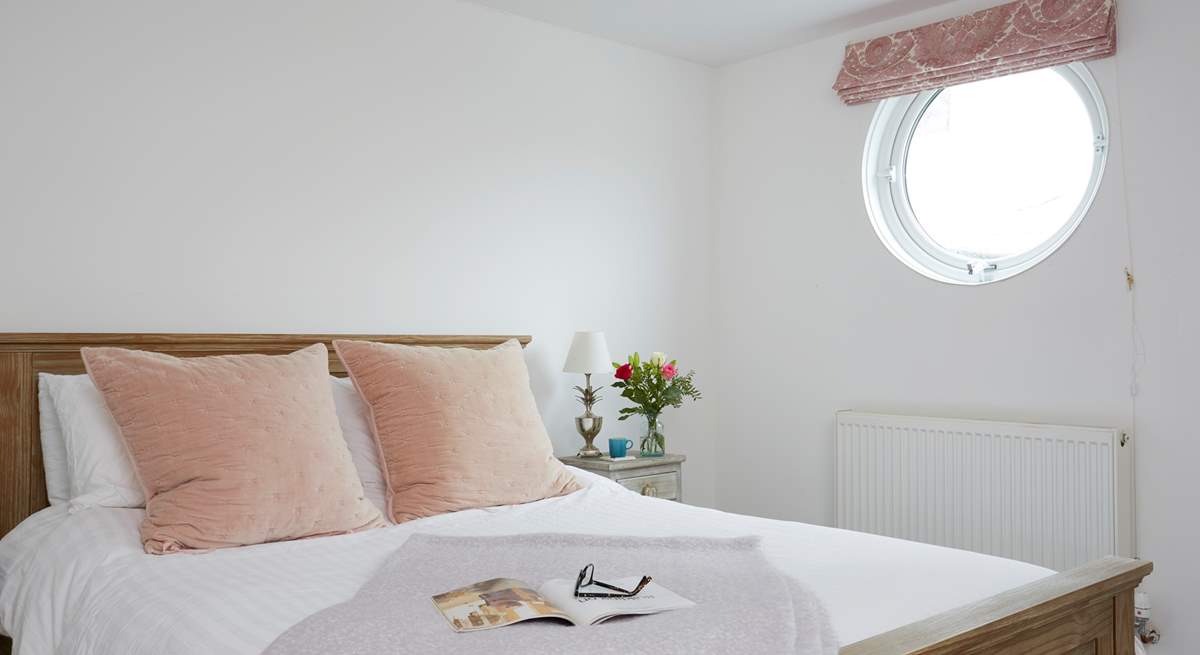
(662, 485)
(658, 476)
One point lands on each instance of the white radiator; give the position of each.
(1052, 495)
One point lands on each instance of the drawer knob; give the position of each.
(649, 490)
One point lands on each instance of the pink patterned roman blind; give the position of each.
(1011, 38)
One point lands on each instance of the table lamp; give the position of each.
(588, 354)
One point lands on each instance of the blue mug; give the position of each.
(618, 447)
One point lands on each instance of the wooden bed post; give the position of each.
(1084, 611)
(22, 477)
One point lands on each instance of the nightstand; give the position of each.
(661, 477)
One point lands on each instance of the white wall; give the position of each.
(1160, 99)
(817, 315)
(402, 167)
(429, 166)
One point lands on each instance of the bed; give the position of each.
(80, 583)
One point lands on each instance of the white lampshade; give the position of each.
(588, 354)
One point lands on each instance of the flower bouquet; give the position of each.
(652, 386)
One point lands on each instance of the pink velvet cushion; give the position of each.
(232, 450)
(457, 428)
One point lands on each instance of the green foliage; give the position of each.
(650, 391)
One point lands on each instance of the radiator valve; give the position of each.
(1146, 632)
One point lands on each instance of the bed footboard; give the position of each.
(1084, 611)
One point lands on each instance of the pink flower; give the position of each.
(668, 371)
(625, 372)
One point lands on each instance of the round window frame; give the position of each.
(885, 189)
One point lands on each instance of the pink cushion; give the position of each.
(232, 450)
(457, 428)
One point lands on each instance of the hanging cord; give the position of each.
(1137, 343)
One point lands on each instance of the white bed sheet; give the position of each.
(79, 583)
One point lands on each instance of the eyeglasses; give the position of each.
(585, 579)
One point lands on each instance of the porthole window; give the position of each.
(978, 182)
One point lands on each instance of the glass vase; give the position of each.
(654, 443)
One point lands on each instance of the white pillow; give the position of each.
(54, 452)
(101, 471)
(354, 416)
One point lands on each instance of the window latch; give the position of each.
(888, 173)
(1101, 142)
(982, 267)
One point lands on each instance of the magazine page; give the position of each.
(588, 611)
(494, 603)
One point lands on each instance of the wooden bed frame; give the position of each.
(1088, 610)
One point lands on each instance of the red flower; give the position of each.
(624, 372)
(669, 372)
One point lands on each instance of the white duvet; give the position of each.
(80, 583)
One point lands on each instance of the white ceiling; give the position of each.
(711, 32)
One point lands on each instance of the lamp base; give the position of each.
(588, 426)
(589, 451)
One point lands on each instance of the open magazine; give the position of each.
(504, 601)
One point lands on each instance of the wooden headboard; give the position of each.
(23, 356)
